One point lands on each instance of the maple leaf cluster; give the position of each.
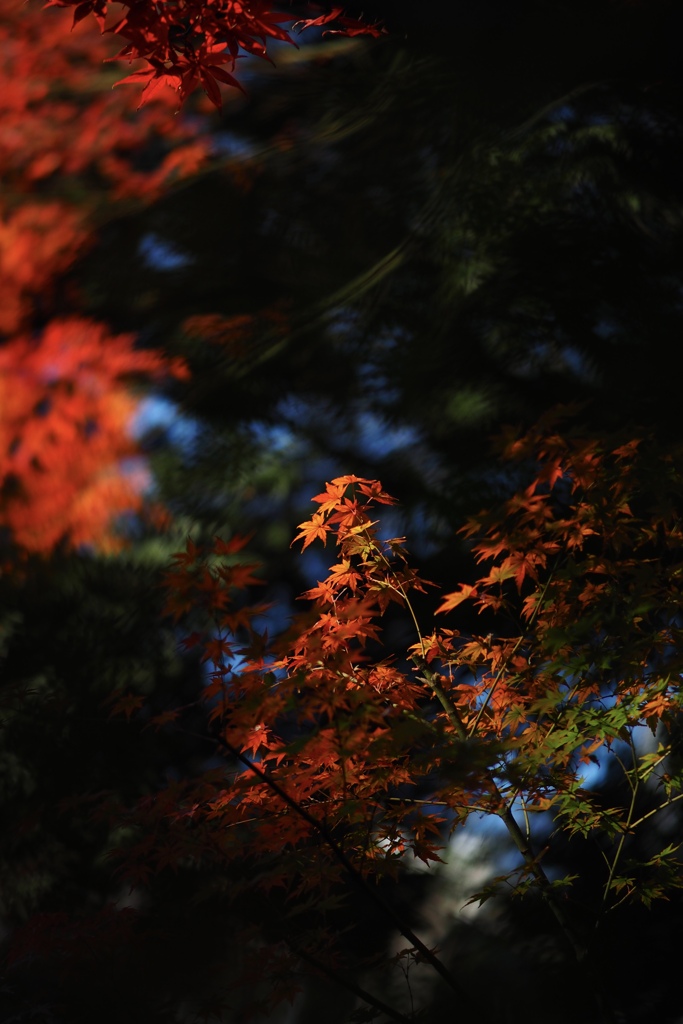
(61, 117)
(64, 435)
(191, 43)
(68, 464)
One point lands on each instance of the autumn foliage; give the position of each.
(345, 751)
(192, 43)
(345, 761)
(66, 407)
(67, 133)
(65, 433)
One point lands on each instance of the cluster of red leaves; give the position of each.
(60, 116)
(190, 43)
(64, 433)
(587, 559)
(319, 654)
(38, 242)
(342, 756)
(65, 411)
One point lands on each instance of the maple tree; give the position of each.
(346, 761)
(350, 757)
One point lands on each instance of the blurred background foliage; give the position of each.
(392, 249)
(380, 274)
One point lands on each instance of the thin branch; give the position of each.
(353, 873)
(501, 670)
(351, 986)
(508, 818)
(627, 828)
(656, 810)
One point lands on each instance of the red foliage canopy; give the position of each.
(187, 43)
(65, 408)
(344, 760)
